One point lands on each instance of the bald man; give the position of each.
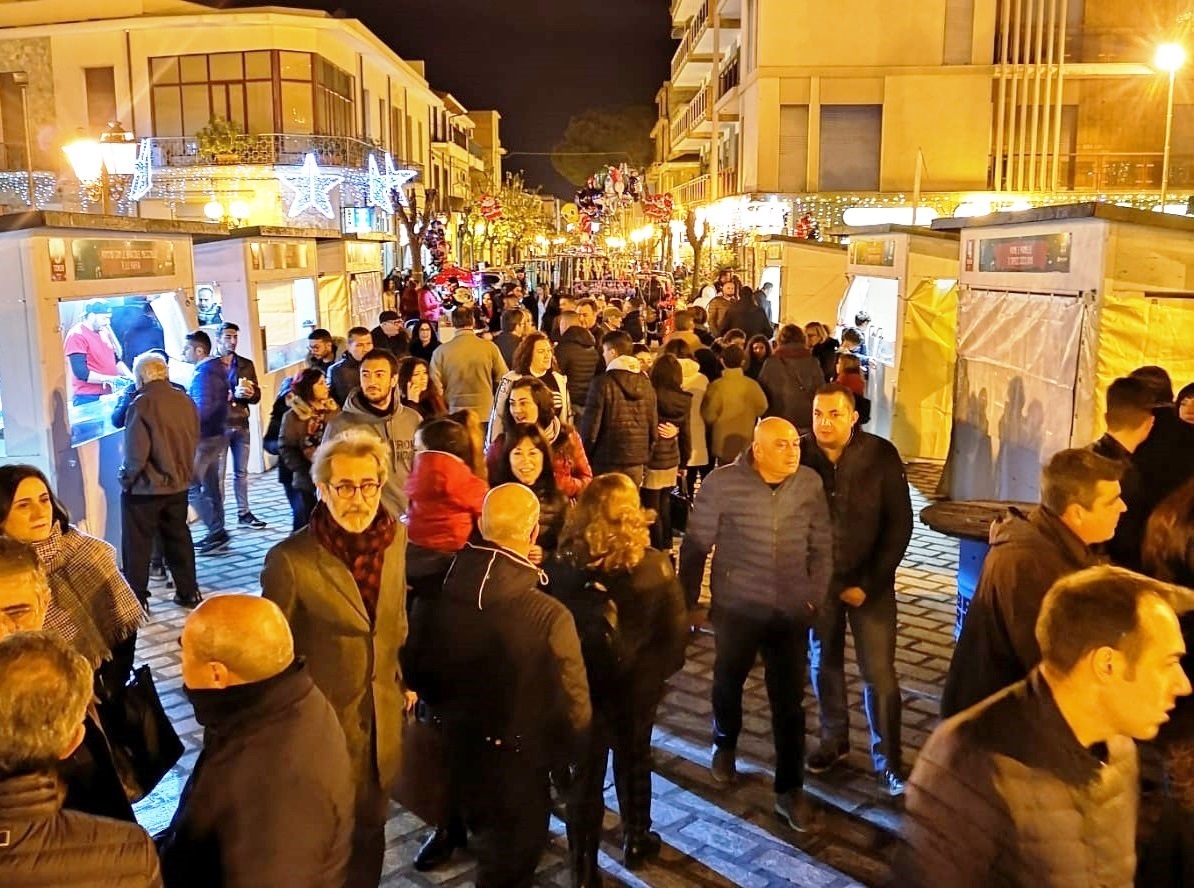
(510, 688)
(270, 801)
(769, 521)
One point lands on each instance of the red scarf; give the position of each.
(364, 554)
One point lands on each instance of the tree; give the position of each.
(522, 216)
(605, 137)
(691, 223)
(415, 222)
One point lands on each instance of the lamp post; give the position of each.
(1169, 58)
(104, 165)
(21, 79)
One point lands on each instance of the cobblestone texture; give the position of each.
(713, 836)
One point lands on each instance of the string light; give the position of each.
(14, 189)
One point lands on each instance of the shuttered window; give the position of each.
(793, 148)
(851, 136)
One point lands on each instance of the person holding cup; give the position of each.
(245, 391)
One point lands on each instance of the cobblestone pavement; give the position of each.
(713, 836)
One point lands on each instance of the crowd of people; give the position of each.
(482, 599)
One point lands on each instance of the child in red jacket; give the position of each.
(849, 374)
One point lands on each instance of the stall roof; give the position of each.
(115, 224)
(280, 231)
(917, 230)
(371, 236)
(802, 241)
(1061, 212)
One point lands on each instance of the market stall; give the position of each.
(1055, 303)
(905, 279)
(84, 296)
(350, 281)
(266, 282)
(808, 276)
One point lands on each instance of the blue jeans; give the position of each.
(874, 628)
(207, 487)
(238, 445)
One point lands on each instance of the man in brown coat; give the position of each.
(341, 583)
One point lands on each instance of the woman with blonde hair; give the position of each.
(631, 617)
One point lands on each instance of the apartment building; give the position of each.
(292, 83)
(1039, 98)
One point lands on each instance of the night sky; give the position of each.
(538, 62)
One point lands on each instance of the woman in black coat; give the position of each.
(527, 460)
(823, 346)
(668, 453)
(633, 624)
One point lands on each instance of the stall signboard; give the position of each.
(363, 220)
(1033, 254)
(879, 253)
(101, 260)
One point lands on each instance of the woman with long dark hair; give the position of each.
(527, 460)
(534, 357)
(667, 454)
(302, 430)
(424, 340)
(633, 623)
(758, 350)
(530, 401)
(417, 391)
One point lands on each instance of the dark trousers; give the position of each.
(617, 727)
(368, 846)
(508, 815)
(661, 530)
(302, 504)
(783, 644)
(874, 628)
(146, 516)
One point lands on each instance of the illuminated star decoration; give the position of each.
(381, 186)
(312, 189)
(142, 171)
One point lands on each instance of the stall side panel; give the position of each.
(923, 410)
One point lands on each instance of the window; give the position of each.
(100, 85)
(397, 139)
(851, 136)
(793, 148)
(12, 124)
(334, 106)
(366, 130)
(288, 312)
(959, 28)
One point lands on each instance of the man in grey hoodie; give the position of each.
(376, 407)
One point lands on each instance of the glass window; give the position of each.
(101, 97)
(236, 105)
(193, 68)
(295, 65)
(196, 109)
(167, 111)
(219, 101)
(164, 70)
(100, 346)
(288, 313)
(298, 114)
(261, 107)
(258, 66)
(226, 66)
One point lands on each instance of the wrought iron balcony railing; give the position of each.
(266, 148)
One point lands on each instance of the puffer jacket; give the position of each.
(871, 507)
(674, 407)
(578, 359)
(209, 390)
(514, 669)
(998, 646)
(619, 426)
(790, 378)
(774, 547)
(445, 501)
(42, 845)
(1004, 795)
(395, 429)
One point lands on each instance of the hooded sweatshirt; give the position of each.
(696, 384)
(619, 426)
(395, 428)
(445, 501)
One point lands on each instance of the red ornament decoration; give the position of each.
(490, 207)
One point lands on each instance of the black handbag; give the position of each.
(144, 744)
(681, 504)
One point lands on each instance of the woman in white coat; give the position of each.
(533, 357)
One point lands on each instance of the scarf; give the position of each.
(364, 554)
(92, 606)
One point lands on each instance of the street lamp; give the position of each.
(1169, 58)
(105, 165)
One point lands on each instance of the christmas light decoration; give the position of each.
(382, 186)
(312, 189)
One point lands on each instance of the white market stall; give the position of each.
(808, 276)
(112, 287)
(1055, 303)
(265, 280)
(905, 278)
(351, 281)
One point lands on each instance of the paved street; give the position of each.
(713, 837)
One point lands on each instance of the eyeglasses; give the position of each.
(347, 490)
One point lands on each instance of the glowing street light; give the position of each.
(1169, 58)
(95, 161)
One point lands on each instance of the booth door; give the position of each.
(1018, 358)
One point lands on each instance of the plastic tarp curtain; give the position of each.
(923, 410)
(334, 311)
(1017, 368)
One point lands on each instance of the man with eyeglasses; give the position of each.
(341, 582)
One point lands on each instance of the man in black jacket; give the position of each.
(246, 391)
(621, 417)
(872, 526)
(748, 316)
(245, 805)
(391, 335)
(577, 358)
(510, 691)
(791, 377)
(345, 375)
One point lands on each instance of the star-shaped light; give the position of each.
(381, 186)
(312, 189)
(142, 171)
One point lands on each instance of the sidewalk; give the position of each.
(712, 836)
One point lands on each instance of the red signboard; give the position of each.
(1035, 254)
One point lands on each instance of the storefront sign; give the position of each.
(57, 247)
(880, 253)
(1035, 254)
(97, 260)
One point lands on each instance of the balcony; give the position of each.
(1126, 172)
(727, 84)
(268, 149)
(696, 192)
(691, 126)
(693, 59)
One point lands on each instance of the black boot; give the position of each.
(582, 855)
(437, 849)
(638, 849)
